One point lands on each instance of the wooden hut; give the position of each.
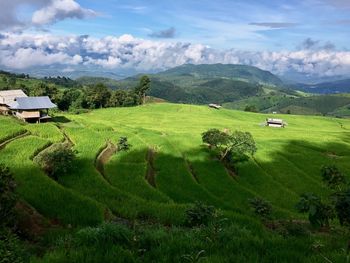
(32, 109)
(7, 97)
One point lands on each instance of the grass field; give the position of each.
(287, 164)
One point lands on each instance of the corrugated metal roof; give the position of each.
(32, 103)
(8, 96)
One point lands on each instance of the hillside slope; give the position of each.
(166, 146)
(200, 84)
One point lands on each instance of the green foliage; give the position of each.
(319, 213)
(8, 198)
(195, 257)
(11, 250)
(251, 108)
(215, 138)
(261, 207)
(123, 144)
(104, 234)
(332, 176)
(342, 207)
(57, 161)
(233, 147)
(97, 96)
(200, 214)
(71, 99)
(143, 87)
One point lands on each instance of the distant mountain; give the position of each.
(339, 86)
(217, 83)
(229, 71)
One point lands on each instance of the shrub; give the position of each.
(11, 250)
(8, 197)
(332, 176)
(57, 160)
(319, 213)
(200, 214)
(342, 207)
(123, 144)
(261, 207)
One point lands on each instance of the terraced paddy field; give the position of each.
(168, 168)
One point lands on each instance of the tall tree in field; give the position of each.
(143, 87)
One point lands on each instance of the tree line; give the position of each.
(87, 97)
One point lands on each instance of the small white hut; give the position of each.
(276, 123)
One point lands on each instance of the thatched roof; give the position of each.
(9, 96)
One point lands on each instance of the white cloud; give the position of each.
(21, 51)
(45, 12)
(59, 10)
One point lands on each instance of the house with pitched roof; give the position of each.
(7, 97)
(32, 109)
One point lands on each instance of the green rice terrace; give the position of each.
(131, 206)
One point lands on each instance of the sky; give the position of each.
(309, 37)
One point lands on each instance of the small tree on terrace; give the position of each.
(333, 177)
(57, 161)
(143, 87)
(123, 144)
(319, 213)
(236, 145)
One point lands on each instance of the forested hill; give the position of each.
(227, 71)
(199, 84)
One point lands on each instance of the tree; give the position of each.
(319, 213)
(250, 108)
(57, 161)
(215, 138)
(143, 87)
(8, 197)
(332, 176)
(342, 207)
(117, 98)
(12, 81)
(97, 96)
(236, 145)
(123, 144)
(70, 98)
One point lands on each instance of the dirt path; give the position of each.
(3, 145)
(104, 156)
(151, 173)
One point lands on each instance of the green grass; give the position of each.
(287, 164)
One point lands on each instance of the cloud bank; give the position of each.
(23, 51)
(47, 12)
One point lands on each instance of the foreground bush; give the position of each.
(261, 207)
(57, 160)
(200, 214)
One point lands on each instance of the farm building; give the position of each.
(277, 123)
(215, 106)
(32, 109)
(7, 97)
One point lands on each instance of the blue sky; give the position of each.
(308, 38)
(220, 24)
